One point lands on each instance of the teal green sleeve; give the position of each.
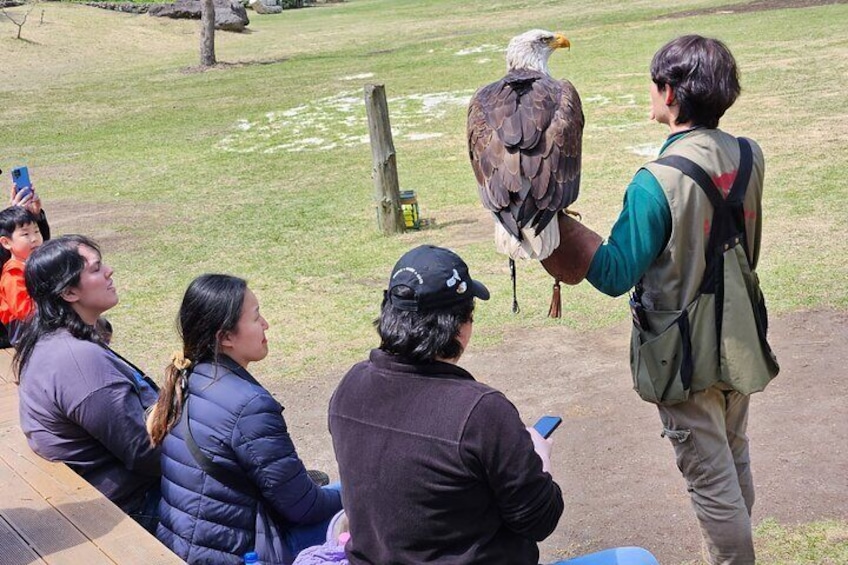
(637, 237)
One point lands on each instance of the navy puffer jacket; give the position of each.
(238, 425)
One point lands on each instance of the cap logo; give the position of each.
(451, 282)
(409, 270)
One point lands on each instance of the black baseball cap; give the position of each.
(438, 278)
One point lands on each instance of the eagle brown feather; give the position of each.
(525, 141)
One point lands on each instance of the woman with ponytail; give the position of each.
(231, 479)
(80, 402)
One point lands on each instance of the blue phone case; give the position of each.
(547, 424)
(20, 176)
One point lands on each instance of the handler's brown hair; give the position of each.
(703, 75)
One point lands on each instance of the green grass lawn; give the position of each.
(261, 167)
(817, 543)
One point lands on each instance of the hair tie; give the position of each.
(179, 361)
(181, 364)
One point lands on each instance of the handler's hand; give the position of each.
(542, 447)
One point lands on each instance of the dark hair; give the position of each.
(211, 306)
(422, 336)
(14, 217)
(11, 219)
(703, 74)
(53, 267)
(104, 328)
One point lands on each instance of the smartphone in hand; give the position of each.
(20, 176)
(547, 424)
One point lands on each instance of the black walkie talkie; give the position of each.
(637, 310)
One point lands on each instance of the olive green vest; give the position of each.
(692, 341)
(673, 279)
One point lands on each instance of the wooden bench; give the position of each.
(49, 514)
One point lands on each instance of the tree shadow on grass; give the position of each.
(225, 65)
(27, 41)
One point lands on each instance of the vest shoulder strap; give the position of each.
(694, 171)
(728, 222)
(743, 173)
(728, 213)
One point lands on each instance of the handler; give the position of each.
(689, 242)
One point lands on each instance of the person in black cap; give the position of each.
(435, 466)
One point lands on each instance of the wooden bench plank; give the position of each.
(8, 391)
(8, 406)
(117, 535)
(44, 529)
(6, 373)
(49, 479)
(75, 508)
(15, 550)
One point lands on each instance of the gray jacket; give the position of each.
(81, 405)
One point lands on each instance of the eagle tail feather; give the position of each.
(531, 246)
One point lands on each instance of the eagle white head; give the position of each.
(531, 50)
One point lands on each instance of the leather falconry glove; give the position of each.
(570, 262)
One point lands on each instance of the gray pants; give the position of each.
(708, 433)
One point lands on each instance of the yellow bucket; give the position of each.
(409, 206)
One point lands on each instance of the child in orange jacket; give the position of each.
(19, 236)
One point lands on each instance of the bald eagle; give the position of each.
(525, 135)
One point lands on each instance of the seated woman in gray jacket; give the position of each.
(80, 402)
(232, 482)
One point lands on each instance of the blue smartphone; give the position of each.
(20, 176)
(547, 424)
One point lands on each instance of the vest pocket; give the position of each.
(662, 364)
(681, 358)
(718, 337)
(747, 361)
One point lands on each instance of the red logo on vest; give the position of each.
(724, 182)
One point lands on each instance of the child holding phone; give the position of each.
(26, 197)
(20, 178)
(19, 236)
(15, 302)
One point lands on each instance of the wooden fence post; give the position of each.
(384, 168)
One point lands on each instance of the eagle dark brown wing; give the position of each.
(525, 135)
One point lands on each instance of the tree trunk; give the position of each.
(384, 168)
(207, 33)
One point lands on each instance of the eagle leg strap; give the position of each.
(515, 308)
(555, 311)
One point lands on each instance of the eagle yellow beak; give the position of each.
(560, 41)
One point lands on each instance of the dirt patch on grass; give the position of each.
(618, 476)
(116, 226)
(759, 6)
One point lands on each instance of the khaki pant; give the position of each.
(708, 433)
